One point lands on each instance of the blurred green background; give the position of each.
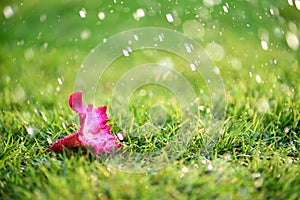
(45, 42)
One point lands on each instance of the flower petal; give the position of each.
(70, 141)
(76, 102)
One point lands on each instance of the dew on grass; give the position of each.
(49, 140)
(184, 169)
(43, 17)
(30, 131)
(263, 106)
(8, 12)
(44, 116)
(210, 167)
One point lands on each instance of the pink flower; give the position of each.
(93, 134)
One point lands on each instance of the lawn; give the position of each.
(242, 143)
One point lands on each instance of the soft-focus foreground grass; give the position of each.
(256, 156)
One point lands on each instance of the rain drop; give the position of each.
(30, 131)
(125, 52)
(136, 37)
(140, 13)
(292, 40)
(258, 78)
(170, 17)
(264, 45)
(29, 54)
(60, 81)
(225, 8)
(297, 4)
(196, 32)
(193, 67)
(8, 12)
(82, 13)
(43, 18)
(290, 2)
(188, 47)
(85, 34)
(161, 37)
(101, 15)
(215, 50)
(49, 140)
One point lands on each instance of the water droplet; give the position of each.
(210, 167)
(29, 54)
(185, 169)
(290, 2)
(188, 47)
(292, 40)
(30, 131)
(263, 106)
(85, 34)
(235, 63)
(225, 8)
(193, 29)
(142, 92)
(264, 45)
(161, 37)
(136, 37)
(20, 42)
(258, 78)
(44, 116)
(60, 81)
(256, 175)
(293, 27)
(210, 3)
(170, 17)
(297, 4)
(125, 52)
(215, 51)
(193, 67)
(49, 140)
(101, 15)
(43, 17)
(8, 12)
(216, 70)
(120, 136)
(82, 13)
(139, 13)
(201, 108)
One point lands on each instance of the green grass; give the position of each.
(256, 155)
